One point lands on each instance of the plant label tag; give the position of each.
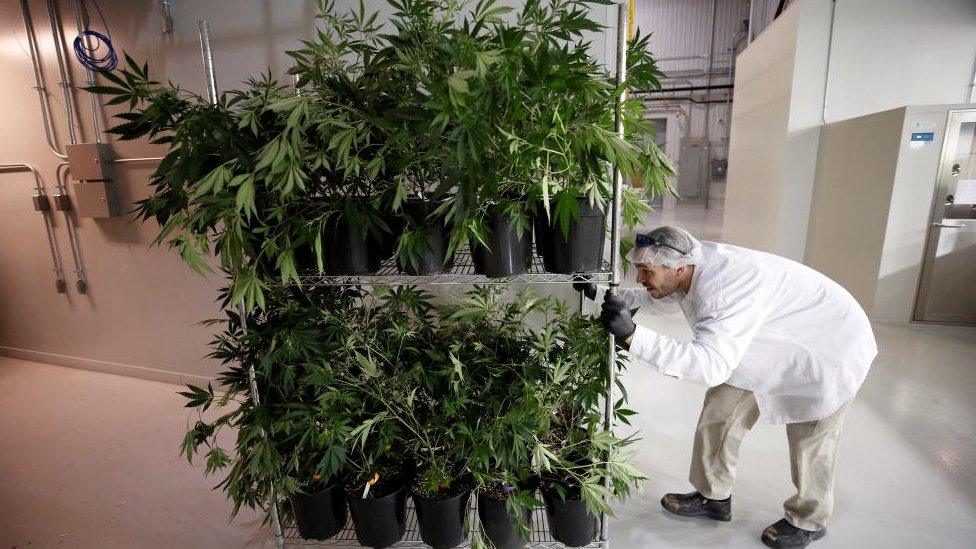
(370, 483)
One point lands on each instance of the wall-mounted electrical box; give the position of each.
(88, 161)
(41, 203)
(95, 193)
(97, 199)
(720, 168)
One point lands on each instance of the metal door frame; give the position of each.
(671, 129)
(954, 121)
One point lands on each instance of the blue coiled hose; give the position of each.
(89, 56)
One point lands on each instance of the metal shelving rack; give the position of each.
(463, 273)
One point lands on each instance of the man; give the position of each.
(773, 339)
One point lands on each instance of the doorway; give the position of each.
(947, 289)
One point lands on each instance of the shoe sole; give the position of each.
(702, 514)
(769, 543)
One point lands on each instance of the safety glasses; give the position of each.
(644, 241)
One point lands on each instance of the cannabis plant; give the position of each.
(527, 114)
(294, 435)
(579, 453)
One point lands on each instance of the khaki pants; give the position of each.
(727, 415)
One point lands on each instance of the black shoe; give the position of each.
(697, 505)
(784, 534)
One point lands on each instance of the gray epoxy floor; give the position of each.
(90, 459)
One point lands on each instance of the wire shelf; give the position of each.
(462, 272)
(540, 538)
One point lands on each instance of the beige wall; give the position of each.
(849, 213)
(872, 203)
(913, 192)
(775, 130)
(140, 313)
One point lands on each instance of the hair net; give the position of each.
(675, 247)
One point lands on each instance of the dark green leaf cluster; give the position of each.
(445, 115)
(295, 434)
(486, 391)
(464, 108)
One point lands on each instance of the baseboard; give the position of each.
(129, 370)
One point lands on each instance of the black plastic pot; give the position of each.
(506, 253)
(579, 251)
(569, 521)
(434, 258)
(322, 514)
(498, 526)
(442, 520)
(380, 522)
(348, 250)
(388, 241)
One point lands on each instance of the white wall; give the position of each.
(883, 54)
(893, 53)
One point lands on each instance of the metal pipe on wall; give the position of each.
(752, 4)
(57, 32)
(131, 160)
(166, 9)
(972, 87)
(80, 16)
(708, 108)
(80, 283)
(728, 98)
(830, 49)
(707, 87)
(39, 79)
(52, 241)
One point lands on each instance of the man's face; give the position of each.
(659, 281)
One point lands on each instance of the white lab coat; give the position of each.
(763, 323)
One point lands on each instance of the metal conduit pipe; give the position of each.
(80, 283)
(708, 107)
(52, 241)
(143, 159)
(728, 97)
(700, 56)
(80, 17)
(972, 87)
(752, 5)
(39, 79)
(57, 32)
(707, 87)
(681, 58)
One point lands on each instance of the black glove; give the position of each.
(616, 317)
(588, 288)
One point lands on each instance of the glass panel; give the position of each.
(660, 131)
(961, 202)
